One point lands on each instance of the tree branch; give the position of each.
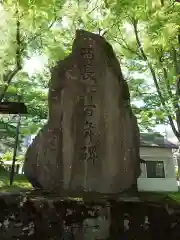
(175, 61)
(178, 70)
(177, 94)
(134, 23)
(9, 76)
(126, 47)
(20, 49)
(162, 3)
(124, 44)
(38, 34)
(166, 80)
(179, 39)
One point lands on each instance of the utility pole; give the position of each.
(15, 147)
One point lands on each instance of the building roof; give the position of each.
(155, 140)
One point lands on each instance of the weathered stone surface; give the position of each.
(91, 139)
(31, 216)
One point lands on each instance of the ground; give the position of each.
(21, 183)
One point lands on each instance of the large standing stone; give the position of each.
(91, 139)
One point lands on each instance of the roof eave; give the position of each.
(167, 147)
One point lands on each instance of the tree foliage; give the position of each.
(27, 28)
(145, 36)
(152, 50)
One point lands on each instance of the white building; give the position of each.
(158, 171)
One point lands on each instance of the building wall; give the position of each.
(168, 183)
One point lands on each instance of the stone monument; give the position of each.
(91, 139)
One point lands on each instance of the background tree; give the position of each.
(144, 35)
(148, 36)
(24, 29)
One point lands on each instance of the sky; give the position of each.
(34, 64)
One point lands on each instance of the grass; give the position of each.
(175, 196)
(161, 196)
(20, 182)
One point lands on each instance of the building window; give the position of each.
(155, 169)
